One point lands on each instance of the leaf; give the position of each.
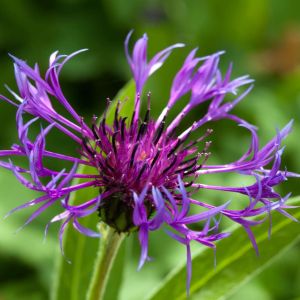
(72, 279)
(126, 96)
(236, 261)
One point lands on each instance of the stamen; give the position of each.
(142, 171)
(148, 100)
(206, 156)
(96, 135)
(132, 122)
(208, 132)
(141, 131)
(103, 125)
(108, 102)
(87, 146)
(160, 131)
(113, 140)
(179, 142)
(188, 184)
(191, 159)
(123, 128)
(192, 171)
(116, 121)
(155, 158)
(207, 145)
(136, 109)
(133, 154)
(100, 164)
(170, 165)
(108, 165)
(94, 130)
(187, 167)
(144, 125)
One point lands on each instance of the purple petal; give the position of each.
(143, 238)
(84, 230)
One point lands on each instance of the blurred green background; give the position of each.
(261, 37)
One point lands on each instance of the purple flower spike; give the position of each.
(145, 174)
(141, 69)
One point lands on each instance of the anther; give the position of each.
(87, 147)
(160, 131)
(132, 119)
(207, 133)
(207, 145)
(108, 102)
(123, 128)
(95, 132)
(103, 125)
(133, 154)
(170, 165)
(142, 171)
(191, 159)
(155, 159)
(108, 165)
(192, 171)
(142, 130)
(188, 184)
(149, 100)
(179, 142)
(113, 140)
(186, 168)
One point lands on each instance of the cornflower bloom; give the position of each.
(145, 173)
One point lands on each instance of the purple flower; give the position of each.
(145, 173)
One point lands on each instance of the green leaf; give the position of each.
(126, 96)
(72, 280)
(236, 261)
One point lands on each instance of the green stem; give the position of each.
(110, 242)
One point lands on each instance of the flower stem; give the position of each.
(110, 242)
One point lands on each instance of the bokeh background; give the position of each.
(261, 37)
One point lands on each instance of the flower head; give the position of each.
(145, 173)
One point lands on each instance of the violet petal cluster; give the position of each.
(146, 170)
